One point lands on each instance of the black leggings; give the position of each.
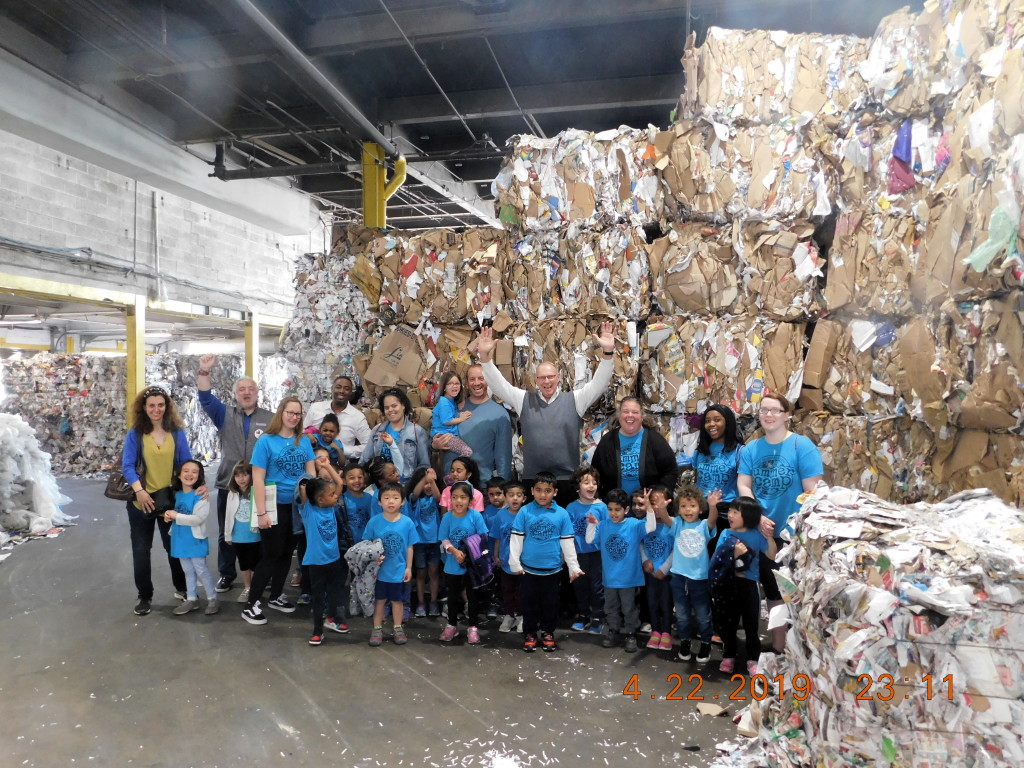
(456, 583)
(276, 545)
(744, 606)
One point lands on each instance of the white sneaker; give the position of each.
(645, 629)
(507, 623)
(519, 624)
(244, 596)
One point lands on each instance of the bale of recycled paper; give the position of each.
(29, 497)
(606, 272)
(780, 268)
(694, 269)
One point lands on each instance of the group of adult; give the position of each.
(775, 469)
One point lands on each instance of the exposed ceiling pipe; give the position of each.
(339, 104)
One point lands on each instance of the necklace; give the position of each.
(770, 462)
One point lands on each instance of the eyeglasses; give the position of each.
(293, 413)
(547, 378)
(772, 411)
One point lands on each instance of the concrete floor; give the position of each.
(86, 682)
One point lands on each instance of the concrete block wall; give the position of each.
(51, 199)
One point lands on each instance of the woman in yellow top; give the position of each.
(156, 441)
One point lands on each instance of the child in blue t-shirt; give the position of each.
(541, 540)
(327, 438)
(745, 605)
(688, 563)
(500, 533)
(398, 535)
(446, 417)
(318, 501)
(588, 588)
(495, 490)
(357, 500)
(460, 522)
(422, 496)
(239, 530)
(619, 540)
(654, 552)
(188, 537)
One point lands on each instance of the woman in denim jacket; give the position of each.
(398, 439)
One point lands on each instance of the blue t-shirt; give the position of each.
(543, 529)
(578, 512)
(756, 543)
(358, 511)
(425, 513)
(444, 411)
(183, 542)
(629, 460)
(385, 449)
(455, 529)
(321, 534)
(501, 536)
(241, 528)
(489, 512)
(778, 472)
(284, 462)
(620, 552)
(397, 537)
(690, 549)
(718, 470)
(331, 450)
(658, 545)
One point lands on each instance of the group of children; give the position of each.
(656, 542)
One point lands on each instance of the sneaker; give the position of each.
(179, 595)
(596, 627)
(508, 623)
(716, 640)
(336, 626)
(473, 636)
(280, 603)
(654, 643)
(704, 654)
(530, 643)
(304, 599)
(224, 584)
(142, 607)
(376, 636)
(253, 614)
(547, 642)
(579, 625)
(243, 596)
(186, 607)
(400, 636)
(316, 639)
(610, 640)
(434, 609)
(631, 645)
(519, 624)
(212, 607)
(645, 628)
(666, 641)
(492, 612)
(685, 653)
(421, 611)
(727, 666)
(449, 633)
(751, 668)
(296, 579)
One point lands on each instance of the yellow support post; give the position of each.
(374, 173)
(69, 343)
(252, 346)
(135, 323)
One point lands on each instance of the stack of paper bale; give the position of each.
(907, 622)
(29, 497)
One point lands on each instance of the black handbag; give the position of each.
(163, 498)
(118, 487)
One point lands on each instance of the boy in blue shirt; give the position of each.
(500, 533)
(495, 501)
(357, 501)
(619, 539)
(398, 535)
(589, 589)
(541, 539)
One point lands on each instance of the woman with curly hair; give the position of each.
(398, 438)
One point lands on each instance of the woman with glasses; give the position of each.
(398, 438)
(157, 445)
(775, 470)
(281, 457)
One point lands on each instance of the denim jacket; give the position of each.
(413, 448)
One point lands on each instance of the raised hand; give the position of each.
(485, 343)
(606, 338)
(207, 361)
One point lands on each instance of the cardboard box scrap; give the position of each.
(606, 272)
(593, 179)
(928, 595)
(689, 362)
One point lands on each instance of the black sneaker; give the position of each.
(253, 614)
(280, 603)
(224, 584)
(704, 654)
(685, 653)
(610, 640)
(631, 644)
(142, 607)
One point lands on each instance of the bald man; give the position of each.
(550, 422)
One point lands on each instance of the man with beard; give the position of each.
(354, 431)
(238, 427)
(488, 432)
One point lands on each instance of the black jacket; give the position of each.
(657, 462)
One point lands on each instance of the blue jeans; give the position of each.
(142, 529)
(692, 594)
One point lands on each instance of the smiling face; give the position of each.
(548, 379)
(189, 474)
(631, 418)
(328, 432)
(689, 509)
(394, 411)
(616, 512)
(156, 406)
(453, 388)
(246, 394)
(773, 419)
(341, 392)
(355, 480)
(476, 384)
(291, 418)
(543, 493)
(458, 471)
(588, 488)
(714, 425)
(389, 473)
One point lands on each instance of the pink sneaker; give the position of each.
(473, 636)
(727, 666)
(654, 643)
(751, 668)
(666, 641)
(449, 633)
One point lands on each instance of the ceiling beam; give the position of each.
(535, 99)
